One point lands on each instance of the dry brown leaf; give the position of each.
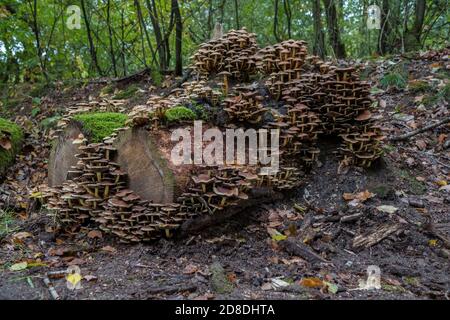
(109, 249)
(360, 196)
(190, 269)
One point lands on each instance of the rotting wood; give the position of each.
(299, 249)
(374, 236)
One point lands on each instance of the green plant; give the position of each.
(127, 92)
(14, 134)
(419, 86)
(102, 124)
(7, 223)
(393, 79)
(179, 113)
(157, 77)
(50, 122)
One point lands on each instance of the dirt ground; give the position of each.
(239, 259)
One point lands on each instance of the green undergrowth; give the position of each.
(102, 124)
(16, 136)
(126, 93)
(7, 223)
(180, 113)
(393, 79)
(419, 86)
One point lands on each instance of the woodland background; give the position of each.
(118, 38)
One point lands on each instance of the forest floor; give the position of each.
(398, 220)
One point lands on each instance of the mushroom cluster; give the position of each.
(283, 60)
(92, 180)
(214, 188)
(201, 90)
(245, 107)
(232, 55)
(133, 220)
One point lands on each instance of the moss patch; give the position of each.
(179, 114)
(419, 86)
(102, 124)
(126, 93)
(7, 156)
(415, 186)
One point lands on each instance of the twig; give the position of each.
(373, 237)
(299, 249)
(172, 289)
(50, 287)
(416, 132)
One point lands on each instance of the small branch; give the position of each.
(51, 288)
(406, 136)
(172, 289)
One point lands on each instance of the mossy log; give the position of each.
(11, 136)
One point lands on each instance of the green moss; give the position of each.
(102, 124)
(393, 79)
(415, 186)
(179, 113)
(127, 93)
(419, 86)
(7, 156)
(50, 122)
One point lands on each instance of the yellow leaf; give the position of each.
(73, 278)
(432, 242)
(312, 283)
(441, 183)
(19, 266)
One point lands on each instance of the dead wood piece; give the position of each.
(416, 132)
(172, 289)
(51, 288)
(301, 250)
(373, 237)
(352, 217)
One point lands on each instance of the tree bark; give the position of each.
(178, 38)
(319, 37)
(333, 29)
(385, 29)
(111, 46)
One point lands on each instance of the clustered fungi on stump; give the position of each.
(93, 179)
(309, 97)
(245, 107)
(232, 55)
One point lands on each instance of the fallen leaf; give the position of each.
(311, 283)
(387, 209)
(421, 144)
(190, 269)
(360, 196)
(95, 234)
(232, 277)
(109, 249)
(266, 286)
(418, 98)
(331, 287)
(89, 277)
(441, 183)
(275, 235)
(432, 242)
(19, 266)
(22, 235)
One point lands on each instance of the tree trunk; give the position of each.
(111, 47)
(160, 46)
(319, 38)
(385, 29)
(333, 29)
(178, 38)
(275, 21)
(413, 37)
(92, 49)
(288, 13)
(236, 13)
